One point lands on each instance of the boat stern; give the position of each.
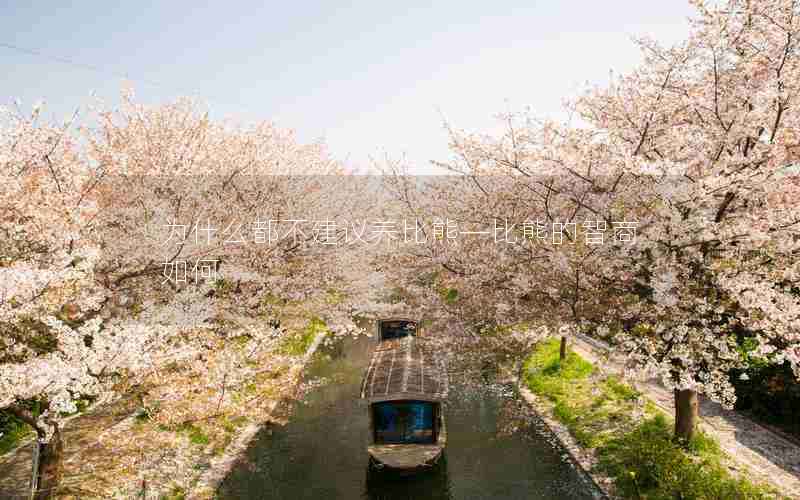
(405, 457)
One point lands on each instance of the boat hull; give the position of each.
(405, 457)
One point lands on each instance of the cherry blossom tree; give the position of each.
(93, 218)
(710, 123)
(693, 146)
(547, 199)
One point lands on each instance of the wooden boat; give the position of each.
(405, 387)
(395, 328)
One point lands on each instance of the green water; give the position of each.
(493, 450)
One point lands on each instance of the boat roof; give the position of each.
(403, 369)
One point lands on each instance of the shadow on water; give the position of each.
(431, 484)
(492, 453)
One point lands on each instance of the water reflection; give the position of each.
(431, 484)
(493, 450)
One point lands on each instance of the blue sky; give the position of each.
(368, 77)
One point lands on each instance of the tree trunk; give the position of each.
(48, 458)
(686, 414)
(562, 353)
(47, 470)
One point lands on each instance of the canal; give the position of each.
(495, 450)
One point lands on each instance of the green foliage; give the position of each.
(584, 408)
(703, 444)
(13, 432)
(647, 463)
(232, 424)
(195, 434)
(620, 390)
(136, 309)
(565, 413)
(642, 458)
(224, 287)
(548, 376)
(450, 295)
(81, 404)
(768, 392)
(334, 296)
(177, 493)
(746, 348)
(296, 344)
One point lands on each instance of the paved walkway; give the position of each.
(766, 456)
(79, 435)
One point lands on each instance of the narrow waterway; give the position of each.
(492, 452)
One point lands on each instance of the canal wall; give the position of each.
(219, 468)
(582, 458)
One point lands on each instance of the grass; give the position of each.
(632, 439)
(13, 431)
(296, 344)
(232, 424)
(195, 434)
(648, 463)
(177, 493)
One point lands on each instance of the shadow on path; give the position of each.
(81, 444)
(767, 456)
